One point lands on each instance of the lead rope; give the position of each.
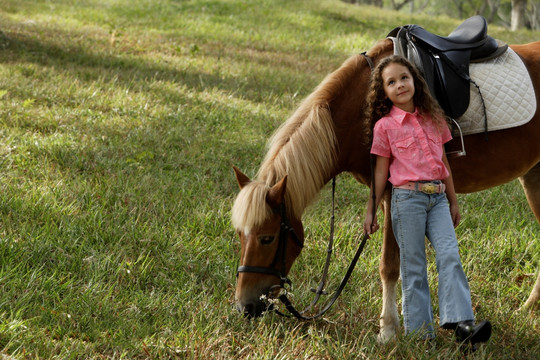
(329, 249)
(320, 289)
(283, 297)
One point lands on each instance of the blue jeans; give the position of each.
(414, 216)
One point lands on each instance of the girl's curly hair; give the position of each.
(378, 104)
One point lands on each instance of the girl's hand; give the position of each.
(454, 213)
(370, 224)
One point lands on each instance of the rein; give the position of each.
(286, 229)
(319, 291)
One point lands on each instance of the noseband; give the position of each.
(285, 229)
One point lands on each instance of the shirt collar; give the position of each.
(399, 115)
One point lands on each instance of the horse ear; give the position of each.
(276, 194)
(242, 179)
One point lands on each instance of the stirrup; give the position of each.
(459, 153)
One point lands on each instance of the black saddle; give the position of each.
(444, 61)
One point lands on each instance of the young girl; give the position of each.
(408, 137)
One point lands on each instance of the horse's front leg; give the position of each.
(389, 271)
(534, 298)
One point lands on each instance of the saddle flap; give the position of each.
(450, 90)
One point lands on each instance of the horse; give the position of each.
(323, 138)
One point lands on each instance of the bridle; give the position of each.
(280, 256)
(285, 229)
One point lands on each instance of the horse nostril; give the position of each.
(251, 310)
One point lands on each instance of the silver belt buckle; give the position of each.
(429, 188)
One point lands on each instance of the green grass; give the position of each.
(119, 123)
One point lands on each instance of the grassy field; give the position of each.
(119, 123)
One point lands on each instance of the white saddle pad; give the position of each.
(508, 94)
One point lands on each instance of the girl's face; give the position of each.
(398, 85)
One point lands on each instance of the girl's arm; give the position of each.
(451, 193)
(381, 176)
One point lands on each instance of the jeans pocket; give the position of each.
(399, 195)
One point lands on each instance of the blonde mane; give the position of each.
(305, 148)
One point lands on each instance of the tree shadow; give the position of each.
(87, 61)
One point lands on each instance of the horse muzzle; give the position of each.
(252, 309)
(254, 301)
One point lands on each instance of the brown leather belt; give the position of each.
(425, 187)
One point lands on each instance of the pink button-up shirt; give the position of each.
(413, 144)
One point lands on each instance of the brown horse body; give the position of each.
(336, 106)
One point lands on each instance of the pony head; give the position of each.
(270, 242)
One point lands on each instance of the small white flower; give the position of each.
(273, 301)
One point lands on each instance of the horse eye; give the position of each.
(266, 239)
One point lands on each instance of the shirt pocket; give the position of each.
(405, 148)
(435, 145)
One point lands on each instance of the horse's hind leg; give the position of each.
(389, 271)
(531, 184)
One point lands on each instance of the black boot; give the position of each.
(467, 331)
